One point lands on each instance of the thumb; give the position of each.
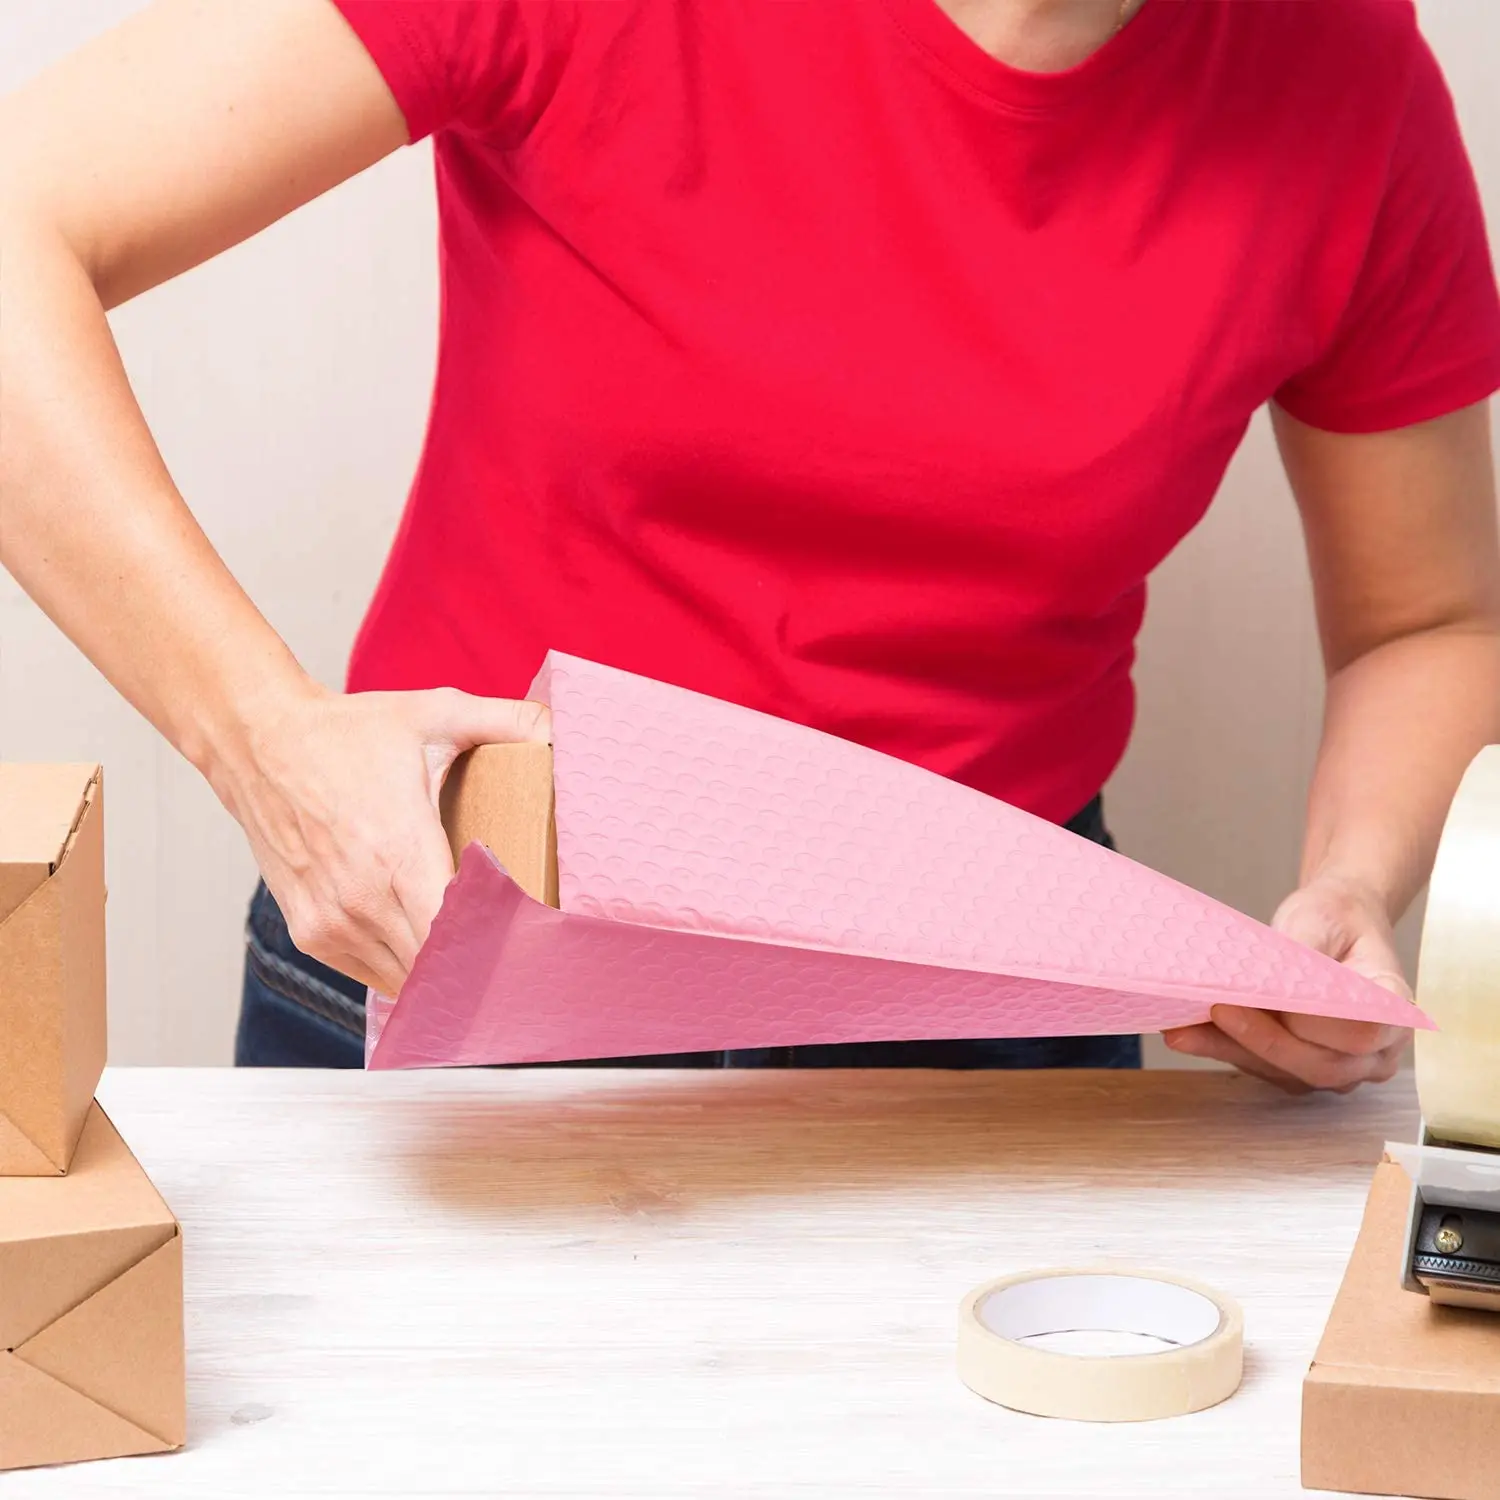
(464, 721)
(1314, 923)
(1380, 964)
(1329, 923)
(1352, 932)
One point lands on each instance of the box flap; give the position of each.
(61, 1239)
(1381, 1334)
(122, 1347)
(40, 806)
(43, 1421)
(20, 1156)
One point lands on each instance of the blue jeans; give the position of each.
(299, 1013)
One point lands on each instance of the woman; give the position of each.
(856, 361)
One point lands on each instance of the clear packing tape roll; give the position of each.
(1458, 974)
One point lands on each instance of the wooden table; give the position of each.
(585, 1283)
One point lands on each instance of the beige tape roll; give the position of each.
(1458, 975)
(1020, 1342)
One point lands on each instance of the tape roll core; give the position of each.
(1195, 1337)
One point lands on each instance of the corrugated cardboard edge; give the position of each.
(1377, 1430)
(52, 963)
(21, 874)
(93, 794)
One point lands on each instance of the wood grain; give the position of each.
(607, 1283)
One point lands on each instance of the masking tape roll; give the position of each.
(1458, 975)
(1020, 1341)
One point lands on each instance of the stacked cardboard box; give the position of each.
(91, 1359)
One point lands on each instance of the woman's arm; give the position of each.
(189, 128)
(1401, 536)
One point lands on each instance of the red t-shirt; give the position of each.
(800, 352)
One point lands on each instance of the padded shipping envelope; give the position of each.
(728, 879)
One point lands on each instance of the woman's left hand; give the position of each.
(1302, 1053)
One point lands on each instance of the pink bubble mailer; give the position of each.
(728, 879)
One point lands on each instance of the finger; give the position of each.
(1358, 1036)
(1316, 922)
(356, 926)
(1374, 959)
(1262, 1034)
(376, 967)
(1359, 937)
(1362, 1038)
(1390, 1061)
(465, 721)
(1383, 1068)
(395, 947)
(333, 938)
(1380, 972)
(1352, 1038)
(371, 923)
(420, 882)
(1209, 1041)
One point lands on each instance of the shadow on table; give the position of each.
(655, 1145)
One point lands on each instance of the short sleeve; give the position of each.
(485, 66)
(1420, 334)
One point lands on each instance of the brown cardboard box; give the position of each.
(501, 796)
(1403, 1397)
(91, 1359)
(52, 1022)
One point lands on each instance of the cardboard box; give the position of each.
(501, 796)
(1403, 1397)
(52, 1020)
(91, 1355)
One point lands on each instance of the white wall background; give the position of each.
(287, 384)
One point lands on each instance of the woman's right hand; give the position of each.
(338, 794)
(184, 131)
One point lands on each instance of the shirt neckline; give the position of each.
(956, 55)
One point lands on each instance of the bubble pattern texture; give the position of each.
(677, 810)
(728, 879)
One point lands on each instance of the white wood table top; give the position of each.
(589, 1283)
